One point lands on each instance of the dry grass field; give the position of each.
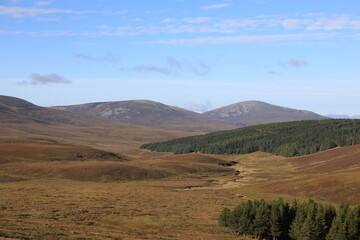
(333, 175)
(57, 190)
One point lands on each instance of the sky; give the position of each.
(195, 54)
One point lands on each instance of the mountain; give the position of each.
(22, 118)
(287, 139)
(150, 114)
(256, 112)
(16, 110)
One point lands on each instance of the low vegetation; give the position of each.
(299, 221)
(55, 190)
(285, 139)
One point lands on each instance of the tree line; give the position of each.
(287, 139)
(279, 220)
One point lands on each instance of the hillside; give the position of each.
(286, 139)
(22, 118)
(16, 110)
(150, 114)
(332, 175)
(256, 112)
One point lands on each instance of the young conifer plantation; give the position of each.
(288, 139)
(279, 220)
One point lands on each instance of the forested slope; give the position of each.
(286, 139)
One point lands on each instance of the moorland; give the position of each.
(65, 175)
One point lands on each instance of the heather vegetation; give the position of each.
(287, 139)
(277, 219)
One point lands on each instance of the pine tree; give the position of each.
(224, 218)
(261, 225)
(280, 219)
(297, 224)
(247, 218)
(338, 230)
(352, 220)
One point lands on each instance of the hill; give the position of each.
(332, 175)
(150, 114)
(256, 112)
(16, 110)
(22, 118)
(286, 139)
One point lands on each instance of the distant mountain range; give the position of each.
(22, 118)
(128, 124)
(342, 116)
(151, 114)
(155, 114)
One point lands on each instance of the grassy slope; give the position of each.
(333, 175)
(95, 198)
(116, 139)
(157, 196)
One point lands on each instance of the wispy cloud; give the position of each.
(246, 39)
(173, 66)
(85, 57)
(197, 20)
(295, 63)
(22, 12)
(216, 6)
(108, 57)
(14, 1)
(306, 26)
(152, 68)
(43, 3)
(88, 43)
(39, 79)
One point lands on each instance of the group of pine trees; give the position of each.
(279, 220)
(285, 139)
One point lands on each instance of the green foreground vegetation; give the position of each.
(277, 219)
(287, 139)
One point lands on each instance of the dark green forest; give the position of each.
(287, 139)
(299, 221)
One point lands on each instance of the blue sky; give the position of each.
(197, 54)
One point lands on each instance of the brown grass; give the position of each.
(147, 195)
(72, 199)
(332, 176)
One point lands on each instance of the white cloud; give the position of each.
(48, 19)
(294, 23)
(336, 23)
(21, 12)
(246, 39)
(43, 3)
(216, 6)
(197, 20)
(168, 20)
(103, 26)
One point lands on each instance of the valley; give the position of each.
(83, 177)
